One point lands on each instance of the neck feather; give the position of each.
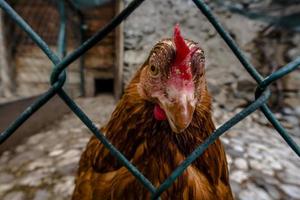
(133, 124)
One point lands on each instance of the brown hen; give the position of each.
(164, 114)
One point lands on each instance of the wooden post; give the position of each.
(6, 66)
(89, 83)
(118, 72)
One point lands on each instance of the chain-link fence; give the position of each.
(30, 65)
(58, 77)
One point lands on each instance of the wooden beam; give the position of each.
(6, 66)
(89, 83)
(118, 71)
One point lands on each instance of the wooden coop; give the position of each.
(99, 70)
(103, 64)
(32, 66)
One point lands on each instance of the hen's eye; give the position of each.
(154, 70)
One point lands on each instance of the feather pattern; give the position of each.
(153, 147)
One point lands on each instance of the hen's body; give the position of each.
(100, 176)
(153, 147)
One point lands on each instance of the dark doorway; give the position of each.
(104, 85)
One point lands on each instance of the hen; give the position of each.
(164, 114)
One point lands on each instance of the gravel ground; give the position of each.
(261, 165)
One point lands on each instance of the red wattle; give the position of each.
(159, 113)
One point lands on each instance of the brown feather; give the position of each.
(156, 151)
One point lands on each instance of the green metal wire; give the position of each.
(82, 116)
(28, 112)
(263, 83)
(44, 98)
(94, 39)
(58, 78)
(279, 73)
(62, 34)
(266, 110)
(81, 61)
(284, 134)
(32, 34)
(211, 139)
(228, 39)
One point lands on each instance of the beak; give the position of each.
(180, 111)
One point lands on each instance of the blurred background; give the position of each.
(40, 160)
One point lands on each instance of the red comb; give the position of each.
(182, 50)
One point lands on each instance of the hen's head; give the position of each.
(173, 78)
